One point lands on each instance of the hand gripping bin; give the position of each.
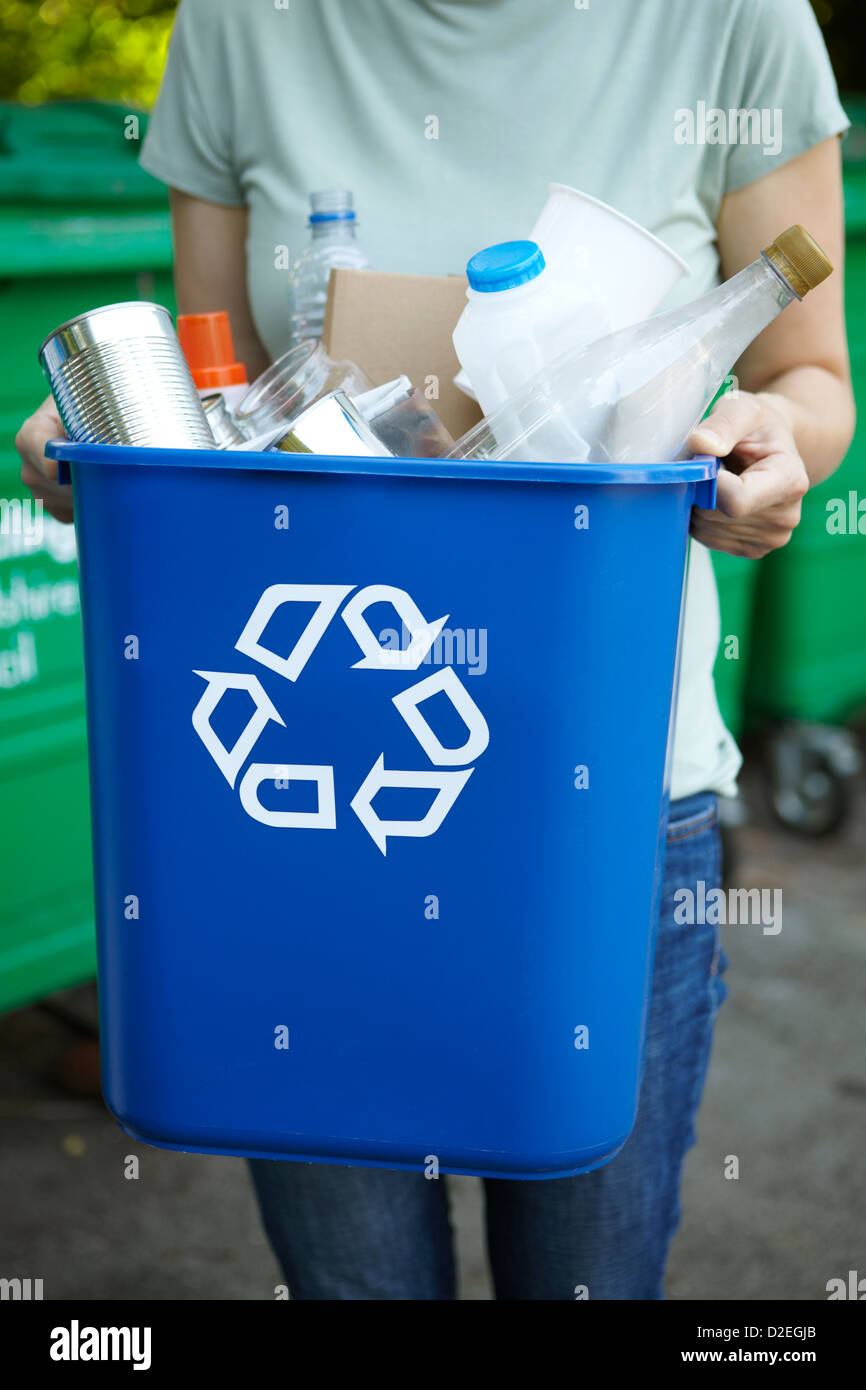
(360, 906)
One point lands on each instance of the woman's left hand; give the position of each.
(764, 479)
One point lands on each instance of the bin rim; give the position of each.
(698, 468)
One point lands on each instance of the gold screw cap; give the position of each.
(798, 257)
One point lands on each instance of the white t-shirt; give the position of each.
(261, 104)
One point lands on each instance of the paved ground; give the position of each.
(787, 1097)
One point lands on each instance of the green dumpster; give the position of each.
(80, 225)
(737, 581)
(809, 646)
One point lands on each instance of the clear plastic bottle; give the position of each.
(636, 395)
(333, 244)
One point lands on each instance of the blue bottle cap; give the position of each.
(346, 216)
(331, 205)
(504, 266)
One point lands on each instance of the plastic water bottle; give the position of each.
(636, 395)
(333, 244)
(519, 316)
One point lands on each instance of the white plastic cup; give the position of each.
(605, 256)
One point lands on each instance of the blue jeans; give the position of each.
(377, 1233)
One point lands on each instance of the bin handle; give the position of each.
(705, 494)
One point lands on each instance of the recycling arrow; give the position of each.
(327, 597)
(422, 634)
(230, 760)
(448, 787)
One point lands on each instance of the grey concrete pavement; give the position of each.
(786, 1098)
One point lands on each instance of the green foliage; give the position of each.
(112, 50)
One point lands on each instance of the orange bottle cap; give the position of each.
(206, 341)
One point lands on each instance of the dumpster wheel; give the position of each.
(810, 770)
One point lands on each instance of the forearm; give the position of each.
(210, 270)
(799, 364)
(196, 294)
(818, 406)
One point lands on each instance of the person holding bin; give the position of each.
(449, 118)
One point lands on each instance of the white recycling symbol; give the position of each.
(328, 598)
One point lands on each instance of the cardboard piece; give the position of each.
(390, 324)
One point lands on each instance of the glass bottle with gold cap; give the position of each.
(636, 395)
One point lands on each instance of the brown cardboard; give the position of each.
(390, 324)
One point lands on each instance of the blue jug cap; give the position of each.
(504, 266)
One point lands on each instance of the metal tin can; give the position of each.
(226, 434)
(118, 376)
(333, 426)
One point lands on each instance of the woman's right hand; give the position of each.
(38, 472)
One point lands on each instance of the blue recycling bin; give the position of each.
(378, 768)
